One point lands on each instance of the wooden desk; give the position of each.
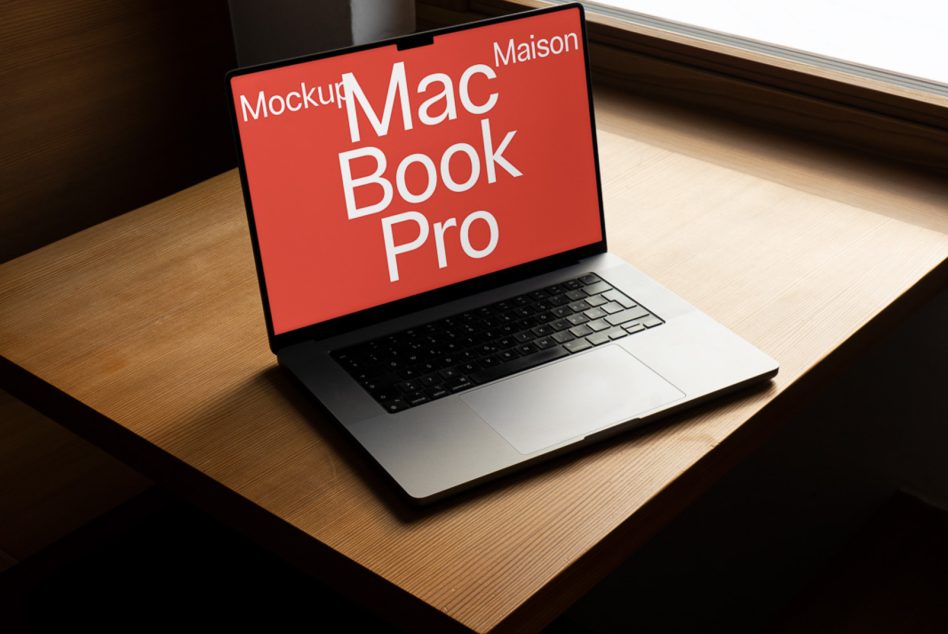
(145, 334)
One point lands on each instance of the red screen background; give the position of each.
(318, 264)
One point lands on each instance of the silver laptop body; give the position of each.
(672, 357)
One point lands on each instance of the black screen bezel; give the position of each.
(442, 294)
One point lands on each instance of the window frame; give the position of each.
(824, 105)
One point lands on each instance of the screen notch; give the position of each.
(415, 41)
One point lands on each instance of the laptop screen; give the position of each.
(379, 174)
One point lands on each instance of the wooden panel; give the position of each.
(827, 172)
(172, 346)
(107, 105)
(51, 482)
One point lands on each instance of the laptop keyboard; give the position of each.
(428, 362)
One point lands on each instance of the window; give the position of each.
(872, 102)
(902, 43)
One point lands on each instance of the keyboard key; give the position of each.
(460, 383)
(597, 287)
(450, 373)
(573, 284)
(577, 345)
(589, 279)
(627, 315)
(523, 337)
(581, 330)
(416, 398)
(508, 355)
(595, 313)
(616, 296)
(651, 321)
(386, 395)
(519, 364)
(543, 331)
(527, 348)
(596, 300)
(612, 308)
(544, 342)
(491, 361)
(408, 373)
(409, 386)
(380, 382)
(560, 324)
(428, 367)
(577, 319)
(634, 326)
(576, 295)
(598, 338)
(578, 307)
(597, 324)
(563, 337)
(431, 380)
(559, 300)
(437, 392)
(396, 405)
(360, 376)
(615, 333)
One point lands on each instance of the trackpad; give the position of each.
(571, 399)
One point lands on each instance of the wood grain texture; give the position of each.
(106, 105)
(153, 319)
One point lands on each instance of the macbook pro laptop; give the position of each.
(426, 218)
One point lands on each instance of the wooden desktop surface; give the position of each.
(152, 323)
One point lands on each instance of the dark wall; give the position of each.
(106, 105)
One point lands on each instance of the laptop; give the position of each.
(427, 223)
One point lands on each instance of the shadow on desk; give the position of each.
(156, 564)
(732, 562)
(374, 477)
